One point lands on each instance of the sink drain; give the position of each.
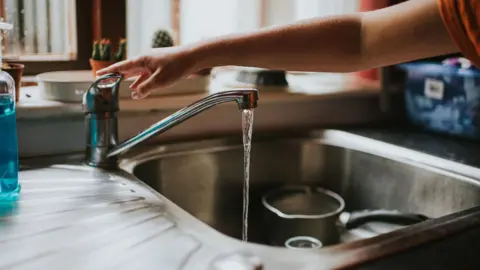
(303, 242)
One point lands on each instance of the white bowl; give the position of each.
(69, 86)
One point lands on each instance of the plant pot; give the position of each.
(16, 71)
(98, 65)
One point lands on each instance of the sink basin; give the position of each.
(205, 178)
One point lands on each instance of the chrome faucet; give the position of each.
(100, 105)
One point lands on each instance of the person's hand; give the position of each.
(161, 68)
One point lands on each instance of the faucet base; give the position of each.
(97, 157)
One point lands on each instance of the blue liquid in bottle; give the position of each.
(9, 186)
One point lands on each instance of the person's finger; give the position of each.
(139, 80)
(138, 95)
(149, 84)
(121, 67)
(135, 95)
(126, 66)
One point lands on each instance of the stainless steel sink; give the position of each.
(205, 177)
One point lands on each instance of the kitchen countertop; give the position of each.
(460, 153)
(76, 217)
(452, 148)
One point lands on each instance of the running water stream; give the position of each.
(247, 126)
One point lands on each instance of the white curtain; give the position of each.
(144, 17)
(58, 25)
(41, 27)
(305, 9)
(208, 18)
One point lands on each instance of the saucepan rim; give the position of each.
(271, 194)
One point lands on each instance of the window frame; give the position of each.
(95, 19)
(176, 20)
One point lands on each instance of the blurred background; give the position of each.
(58, 34)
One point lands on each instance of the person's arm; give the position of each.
(344, 43)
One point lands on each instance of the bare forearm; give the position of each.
(344, 43)
(311, 45)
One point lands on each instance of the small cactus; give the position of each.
(162, 38)
(96, 51)
(122, 50)
(102, 50)
(105, 50)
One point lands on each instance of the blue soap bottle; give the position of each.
(9, 186)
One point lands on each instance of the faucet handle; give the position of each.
(107, 80)
(102, 95)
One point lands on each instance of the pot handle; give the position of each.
(356, 219)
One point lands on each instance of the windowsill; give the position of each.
(32, 106)
(41, 57)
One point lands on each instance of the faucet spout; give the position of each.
(245, 99)
(101, 105)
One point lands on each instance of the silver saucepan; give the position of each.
(309, 217)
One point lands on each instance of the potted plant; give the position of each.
(102, 55)
(162, 38)
(16, 71)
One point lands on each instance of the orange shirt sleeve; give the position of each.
(462, 20)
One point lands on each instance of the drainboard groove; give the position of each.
(77, 223)
(104, 249)
(77, 188)
(88, 209)
(57, 199)
(185, 247)
(85, 240)
(35, 213)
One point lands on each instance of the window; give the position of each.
(305, 9)
(144, 17)
(198, 19)
(51, 35)
(43, 30)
